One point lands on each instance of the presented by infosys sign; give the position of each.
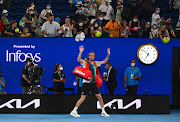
(20, 56)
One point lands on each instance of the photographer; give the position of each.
(25, 82)
(59, 79)
(2, 85)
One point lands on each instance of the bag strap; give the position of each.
(97, 70)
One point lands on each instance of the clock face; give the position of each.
(147, 54)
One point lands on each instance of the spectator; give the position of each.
(146, 31)
(133, 9)
(119, 8)
(11, 30)
(85, 11)
(112, 27)
(156, 17)
(79, 16)
(91, 5)
(134, 26)
(67, 28)
(100, 20)
(178, 26)
(58, 20)
(59, 79)
(45, 13)
(168, 26)
(95, 28)
(80, 27)
(5, 21)
(125, 30)
(154, 31)
(147, 8)
(31, 4)
(25, 33)
(2, 85)
(29, 23)
(163, 32)
(108, 11)
(51, 28)
(39, 30)
(71, 2)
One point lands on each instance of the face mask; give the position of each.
(113, 20)
(60, 31)
(101, 18)
(109, 3)
(31, 12)
(6, 14)
(96, 25)
(135, 20)
(80, 24)
(48, 7)
(155, 27)
(158, 11)
(133, 64)
(61, 68)
(119, 2)
(80, 11)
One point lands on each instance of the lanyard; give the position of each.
(132, 70)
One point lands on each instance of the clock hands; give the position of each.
(146, 56)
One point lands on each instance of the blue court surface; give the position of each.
(173, 117)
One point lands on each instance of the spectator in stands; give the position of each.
(71, 2)
(134, 27)
(156, 17)
(58, 20)
(178, 26)
(43, 17)
(39, 30)
(112, 27)
(91, 5)
(2, 85)
(79, 16)
(51, 28)
(25, 33)
(163, 32)
(85, 11)
(5, 21)
(80, 27)
(11, 30)
(147, 8)
(125, 30)
(59, 79)
(119, 8)
(154, 31)
(100, 19)
(67, 28)
(146, 31)
(108, 11)
(29, 23)
(133, 9)
(95, 28)
(31, 4)
(167, 23)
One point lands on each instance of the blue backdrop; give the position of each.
(156, 78)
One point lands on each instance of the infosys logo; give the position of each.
(20, 56)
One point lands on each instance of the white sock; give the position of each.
(75, 109)
(103, 110)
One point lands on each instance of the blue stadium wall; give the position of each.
(156, 78)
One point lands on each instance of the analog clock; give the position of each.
(147, 54)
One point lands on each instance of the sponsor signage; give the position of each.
(117, 104)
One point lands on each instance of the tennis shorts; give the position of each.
(89, 87)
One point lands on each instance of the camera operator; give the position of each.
(59, 79)
(2, 85)
(25, 82)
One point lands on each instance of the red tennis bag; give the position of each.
(83, 73)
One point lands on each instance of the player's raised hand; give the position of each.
(81, 48)
(109, 51)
